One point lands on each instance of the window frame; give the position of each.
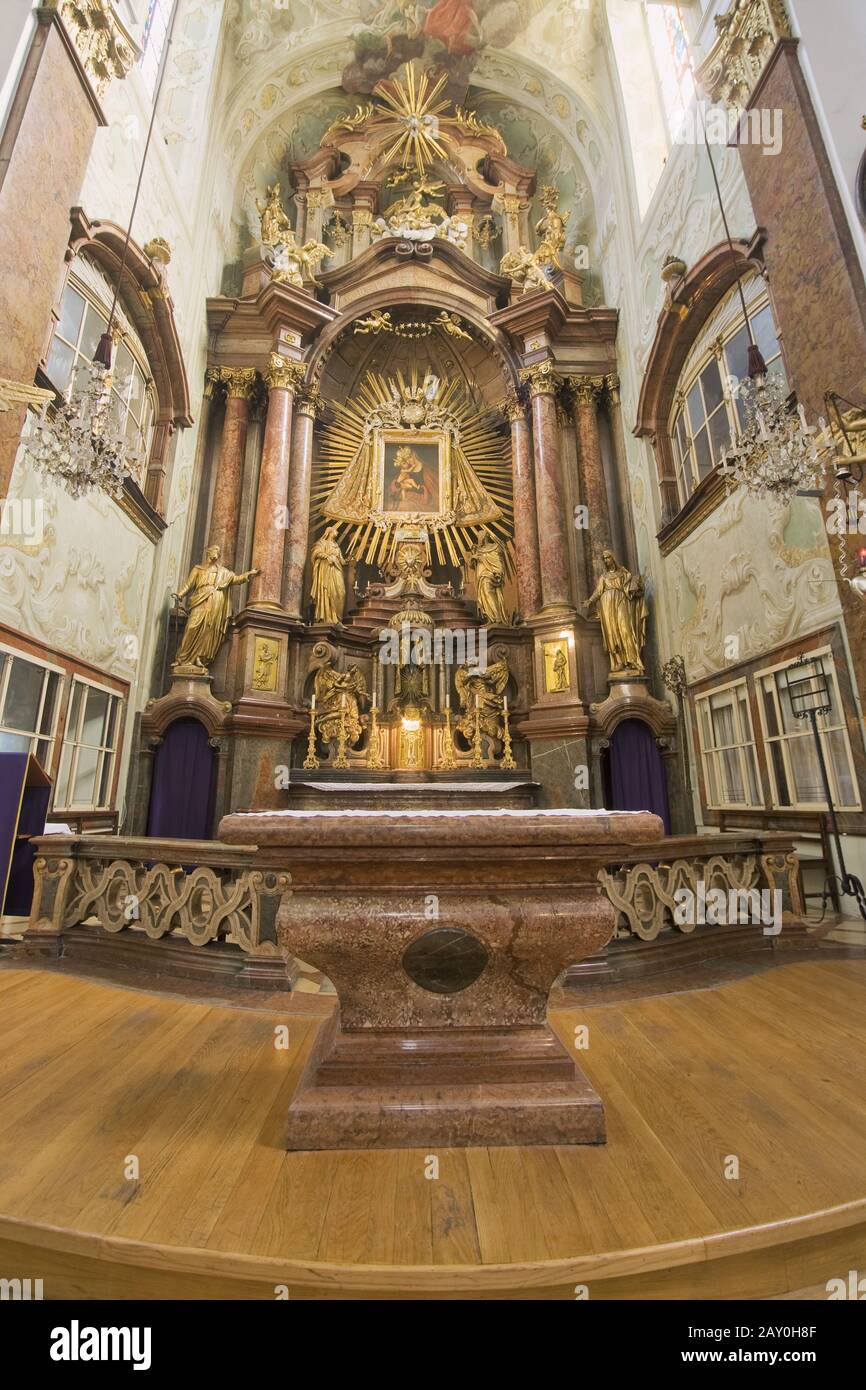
(149, 77)
(74, 739)
(714, 755)
(130, 343)
(686, 466)
(48, 668)
(784, 737)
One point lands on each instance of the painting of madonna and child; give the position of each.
(413, 475)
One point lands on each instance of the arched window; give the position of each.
(706, 412)
(670, 50)
(84, 313)
(154, 38)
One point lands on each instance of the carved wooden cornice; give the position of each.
(105, 46)
(15, 393)
(747, 36)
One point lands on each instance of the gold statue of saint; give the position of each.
(488, 561)
(276, 227)
(209, 611)
(622, 608)
(329, 585)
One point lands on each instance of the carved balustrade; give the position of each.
(201, 890)
(644, 892)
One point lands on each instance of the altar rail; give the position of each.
(207, 891)
(643, 891)
(201, 890)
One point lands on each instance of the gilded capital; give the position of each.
(105, 46)
(747, 36)
(308, 401)
(541, 379)
(512, 407)
(239, 381)
(283, 375)
(588, 390)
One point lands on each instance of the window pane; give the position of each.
(94, 327)
(94, 718)
(85, 777)
(71, 314)
(783, 795)
(720, 434)
(770, 708)
(14, 743)
(734, 790)
(61, 794)
(765, 334)
(696, 408)
(43, 753)
(136, 391)
(712, 789)
(737, 354)
(46, 723)
(105, 781)
(23, 693)
(711, 381)
(836, 753)
(702, 454)
(59, 365)
(805, 771)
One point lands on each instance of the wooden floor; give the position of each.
(769, 1071)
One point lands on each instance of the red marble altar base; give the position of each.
(413, 1089)
(443, 932)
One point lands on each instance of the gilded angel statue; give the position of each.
(484, 691)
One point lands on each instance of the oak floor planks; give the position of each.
(771, 1068)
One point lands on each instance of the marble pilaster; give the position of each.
(225, 508)
(269, 537)
(550, 507)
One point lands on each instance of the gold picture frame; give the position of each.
(412, 473)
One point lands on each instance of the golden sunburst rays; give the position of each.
(486, 450)
(413, 120)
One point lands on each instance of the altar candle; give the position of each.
(477, 700)
(312, 702)
(505, 703)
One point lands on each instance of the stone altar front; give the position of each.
(442, 932)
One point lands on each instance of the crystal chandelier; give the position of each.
(776, 454)
(79, 442)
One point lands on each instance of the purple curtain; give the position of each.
(637, 773)
(16, 853)
(181, 794)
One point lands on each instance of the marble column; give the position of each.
(588, 391)
(225, 507)
(614, 412)
(525, 521)
(269, 536)
(300, 479)
(549, 497)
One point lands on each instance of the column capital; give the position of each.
(239, 381)
(308, 401)
(611, 385)
(541, 379)
(512, 407)
(284, 375)
(588, 390)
